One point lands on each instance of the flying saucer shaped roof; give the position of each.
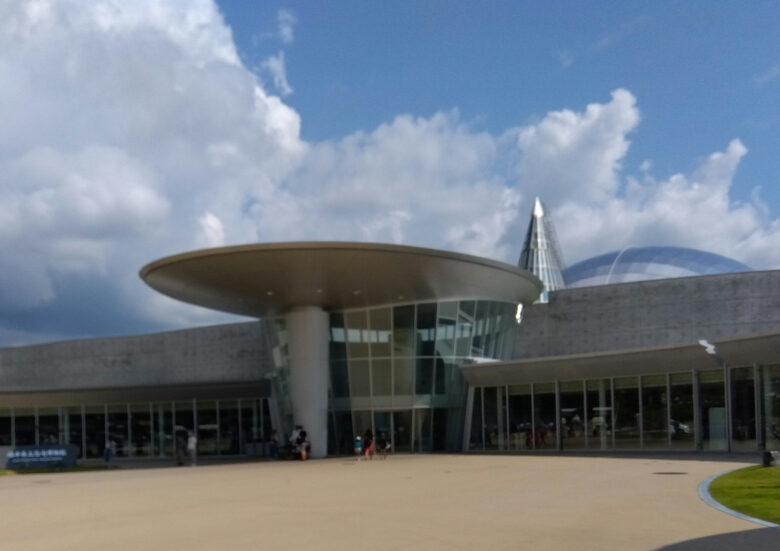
(272, 278)
(643, 263)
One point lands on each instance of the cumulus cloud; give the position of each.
(132, 130)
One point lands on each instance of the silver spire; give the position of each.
(541, 254)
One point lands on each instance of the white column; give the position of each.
(307, 334)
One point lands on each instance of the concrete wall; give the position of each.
(651, 313)
(222, 353)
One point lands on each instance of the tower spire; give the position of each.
(540, 254)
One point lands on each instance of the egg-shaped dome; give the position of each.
(643, 263)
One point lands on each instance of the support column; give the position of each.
(307, 334)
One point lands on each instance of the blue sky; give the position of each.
(703, 72)
(134, 130)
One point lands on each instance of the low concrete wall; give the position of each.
(651, 313)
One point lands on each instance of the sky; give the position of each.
(134, 130)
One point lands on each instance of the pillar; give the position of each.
(307, 339)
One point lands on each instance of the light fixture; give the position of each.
(708, 347)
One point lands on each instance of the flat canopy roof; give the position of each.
(273, 278)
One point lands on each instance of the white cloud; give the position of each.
(577, 153)
(275, 66)
(285, 21)
(131, 131)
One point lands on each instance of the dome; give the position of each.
(643, 263)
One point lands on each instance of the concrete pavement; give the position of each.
(406, 502)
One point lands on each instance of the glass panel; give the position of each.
(599, 403)
(141, 430)
(440, 374)
(426, 329)
(343, 437)
(772, 406)
(475, 439)
(464, 329)
(545, 432)
(382, 377)
(681, 423)
(95, 427)
(383, 426)
(655, 422)
(712, 410)
(208, 428)
(403, 331)
(339, 378)
(266, 426)
(163, 424)
(25, 426)
(338, 337)
(520, 420)
(572, 415)
(74, 430)
(403, 377)
(626, 412)
(118, 430)
(439, 429)
(445, 331)
(422, 432)
(493, 436)
(423, 380)
(402, 421)
(743, 409)
(360, 378)
(357, 334)
(380, 333)
(6, 436)
(250, 431)
(48, 426)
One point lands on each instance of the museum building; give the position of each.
(653, 348)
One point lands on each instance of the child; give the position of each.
(358, 447)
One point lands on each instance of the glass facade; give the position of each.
(141, 429)
(395, 371)
(675, 411)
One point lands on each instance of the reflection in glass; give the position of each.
(626, 420)
(48, 426)
(402, 422)
(520, 419)
(426, 329)
(771, 390)
(423, 380)
(163, 425)
(25, 426)
(476, 438)
(545, 431)
(712, 409)
(380, 332)
(74, 431)
(599, 422)
(6, 435)
(572, 414)
(743, 409)
(118, 429)
(141, 430)
(357, 334)
(422, 433)
(382, 377)
(403, 379)
(360, 378)
(403, 331)
(655, 417)
(681, 424)
(208, 427)
(95, 430)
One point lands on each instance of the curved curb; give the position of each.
(704, 494)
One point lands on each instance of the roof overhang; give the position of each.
(273, 278)
(743, 351)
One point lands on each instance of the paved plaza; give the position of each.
(406, 502)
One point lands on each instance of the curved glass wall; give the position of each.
(395, 370)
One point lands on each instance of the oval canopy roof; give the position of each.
(273, 278)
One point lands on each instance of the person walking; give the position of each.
(368, 443)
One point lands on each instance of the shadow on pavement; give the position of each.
(753, 540)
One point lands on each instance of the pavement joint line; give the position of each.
(706, 497)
